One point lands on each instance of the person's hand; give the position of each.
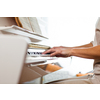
(59, 51)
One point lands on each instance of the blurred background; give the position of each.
(72, 31)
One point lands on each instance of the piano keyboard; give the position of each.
(35, 54)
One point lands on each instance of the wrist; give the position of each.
(72, 51)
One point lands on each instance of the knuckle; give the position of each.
(54, 47)
(61, 46)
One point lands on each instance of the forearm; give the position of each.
(69, 51)
(84, 46)
(90, 53)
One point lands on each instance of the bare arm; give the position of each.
(90, 53)
(84, 46)
(84, 51)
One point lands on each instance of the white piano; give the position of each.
(18, 64)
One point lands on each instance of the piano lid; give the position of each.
(23, 32)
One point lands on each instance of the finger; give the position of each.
(55, 47)
(54, 54)
(48, 51)
(58, 55)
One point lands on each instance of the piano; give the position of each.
(33, 62)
